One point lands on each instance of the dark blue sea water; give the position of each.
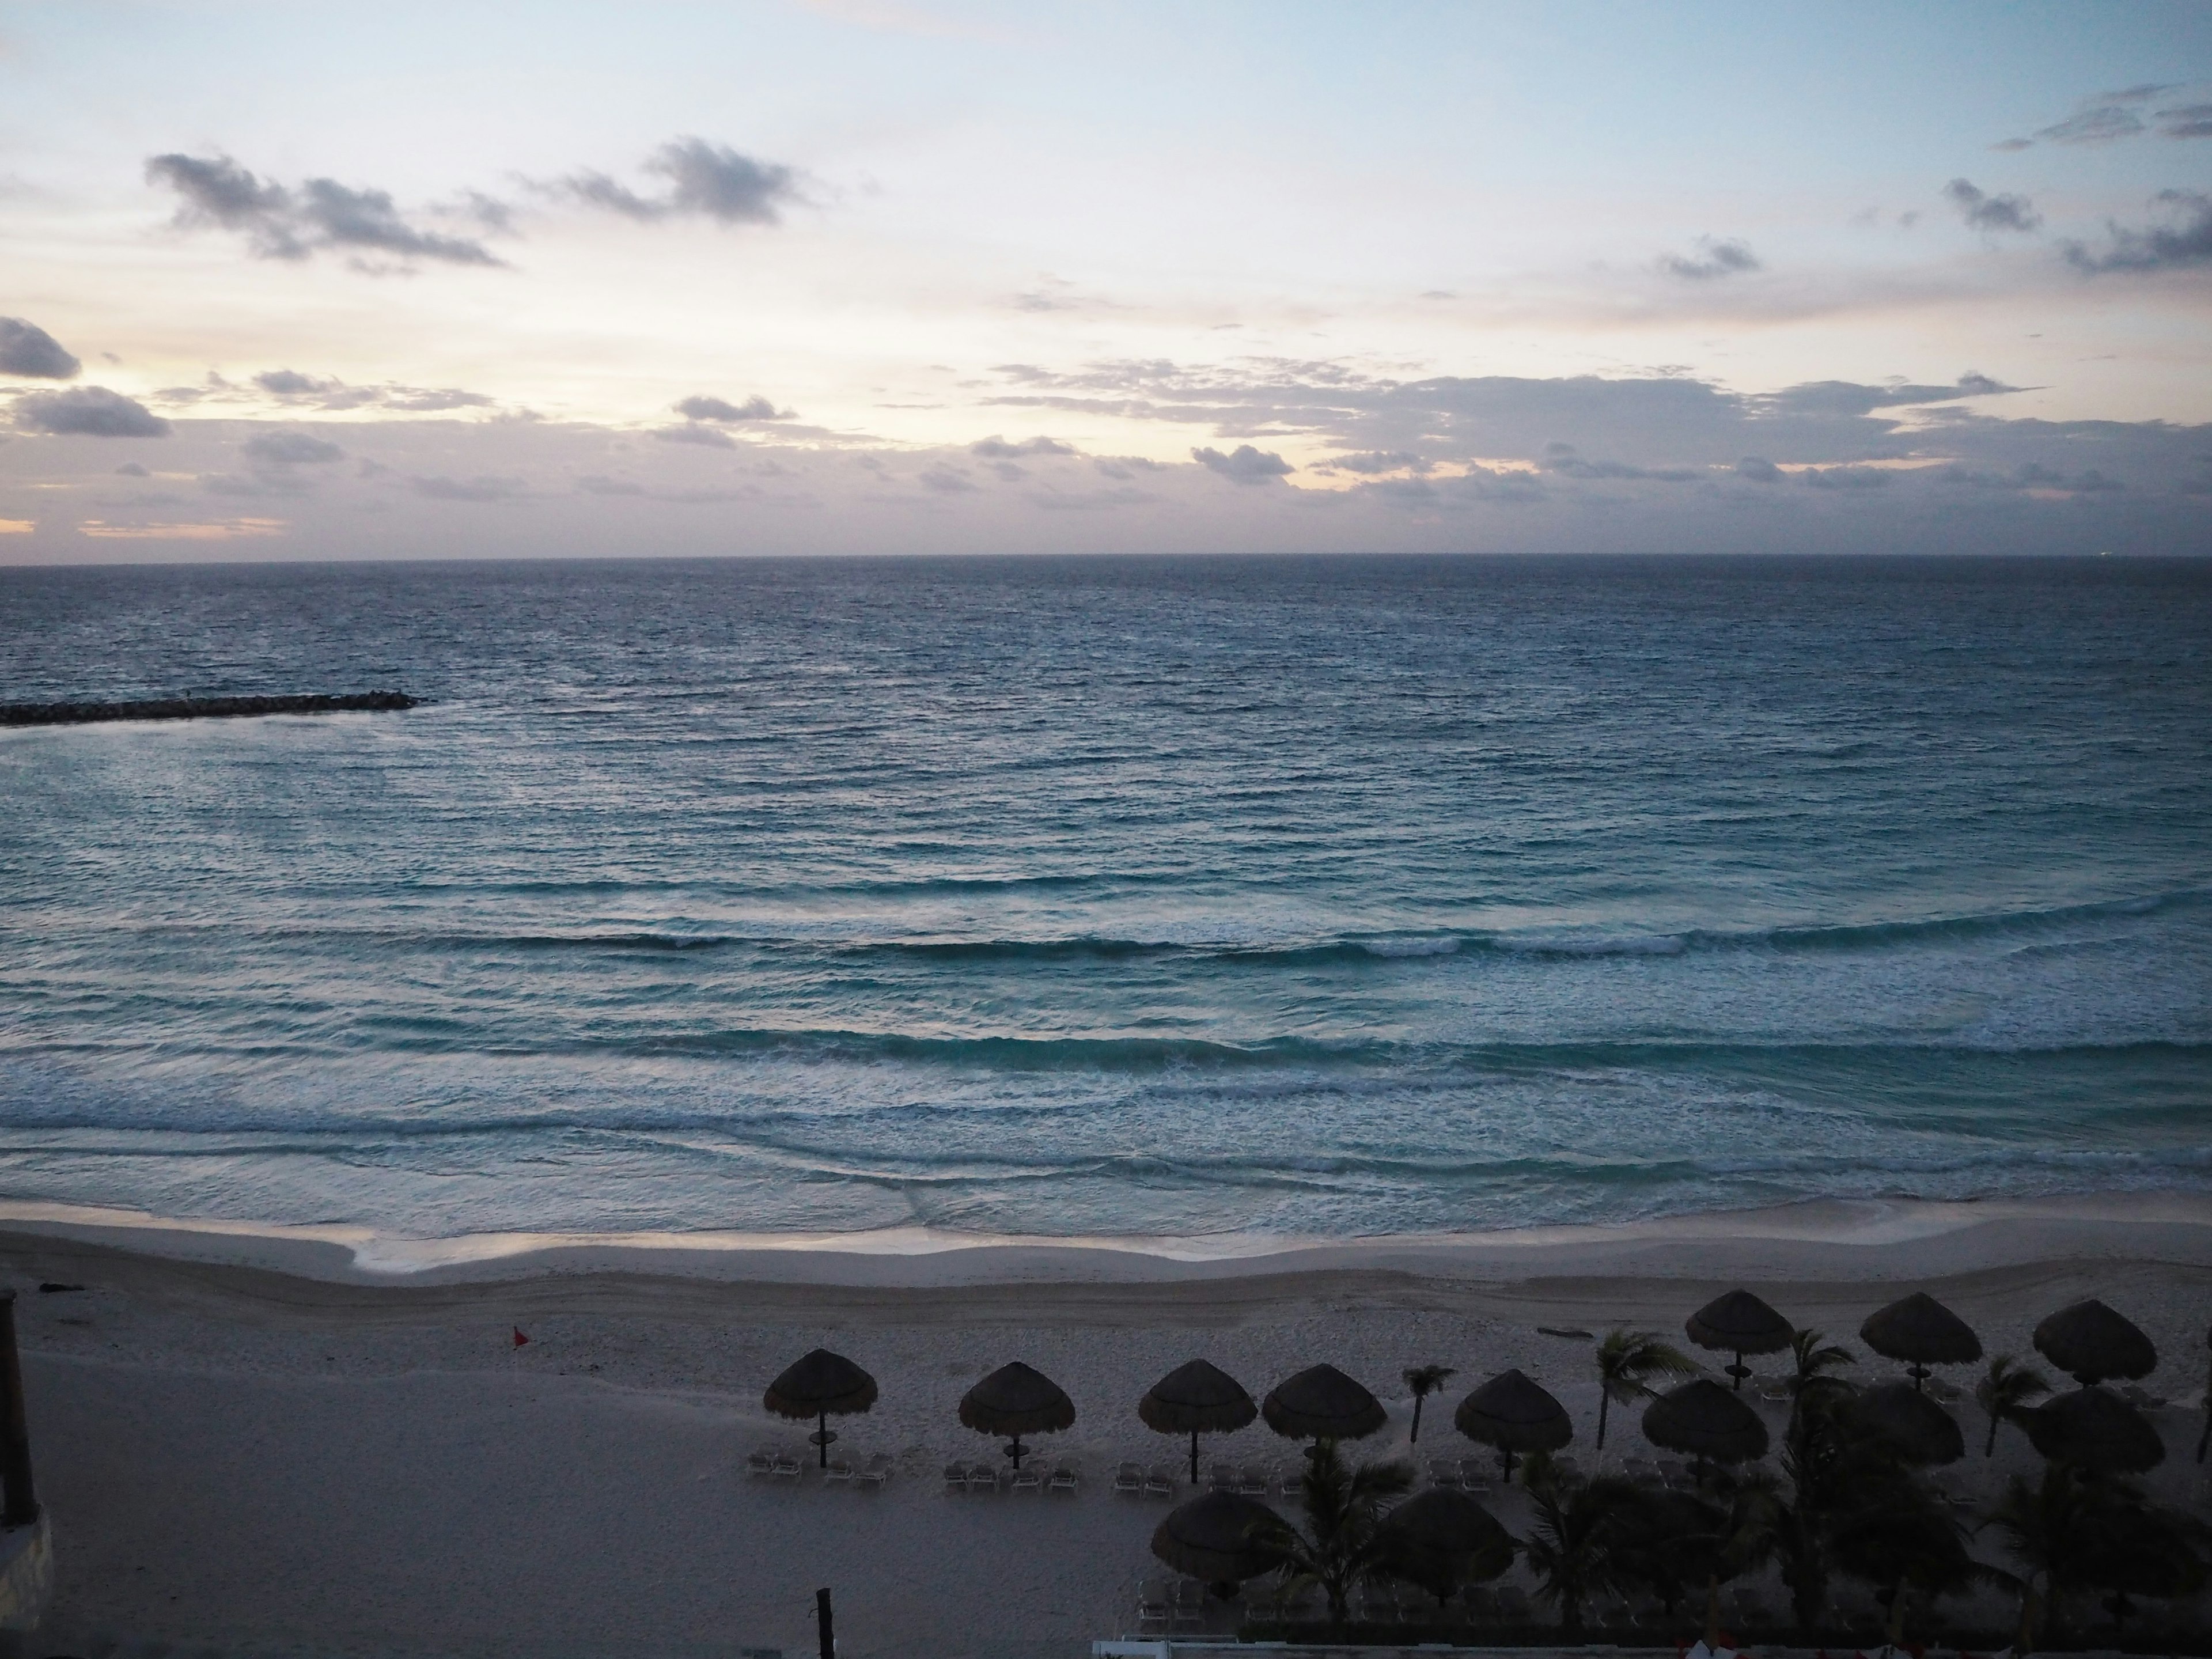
(1073, 897)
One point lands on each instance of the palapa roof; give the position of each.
(1514, 1414)
(2091, 1343)
(1323, 1403)
(1197, 1397)
(1739, 1322)
(1015, 1399)
(1704, 1419)
(1921, 1331)
(1919, 1429)
(1446, 1520)
(821, 1381)
(1220, 1538)
(2095, 1428)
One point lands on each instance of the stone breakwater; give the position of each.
(197, 708)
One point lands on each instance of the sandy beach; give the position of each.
(274, 1439)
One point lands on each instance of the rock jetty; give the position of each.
(197, 708)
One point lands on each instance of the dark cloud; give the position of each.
(1847, 477)
(2032, 474)
(1243, 465)
(279, 222)
(755, 408)
(1563, 458)
(1848, 397)
(2099, 124)
(711, 180)
(947, 480)
(289, 383)
(87, 412)
(28, 350)
(1377, 460)
(995, 448)
(2183, 244)
(1987, 212)
(2187, 121)
(596, 484)
(292, 449)
(1760, 470)
(1724, 258)
(479, 489)
(695, 432)
(290, 386)
(132, 470)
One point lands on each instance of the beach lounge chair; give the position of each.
(1221, 1477)
(1252, 1480)
(759, 1461)
(839, 1468)
(1065, 1478)
(1775, 1394)
(787, 1466)
(1474, 1476)
(1152, 1609)
(1158, 1483)
(877, 1471)
(1129, 1480)
(956, 1476)
(1189, 1605)
(982, 1477)
(1444, 1472)
(1289, 1485)
(1029, 1479)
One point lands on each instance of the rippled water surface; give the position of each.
(1312, 897)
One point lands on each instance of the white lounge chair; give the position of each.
(1221, 1477)
(956, 1476)
(1065, 1478)
(1029, 1479)
(877, 1471)
(1158, 1483)
(1129, 1480)
(1444, 1472)
(981, 1477)
(760, 1462)
(1189, 1603)
(1152, 1608)
(787, 1466)
(839, 1468)
(1252, 1480)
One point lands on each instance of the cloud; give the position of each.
(1987, 212)
(1243, 465)
(1847, 477)
(2188, 121)
(28, 350)
(2033, 476)
(292, 449)
(995, 448)
(693, 432)
(87, 412)
(279, 222)
(1376, 460)
(2184, 244)
(755, 408)
(947, 480)
(479, 489)
(132, 470)
(1760, 470)
(2099, 124)
(593, 483)
(1563, 458)
(221, 530)
(289, 383)
(711, 180)
(290, 386)
(1849, 397)
(1725, 258)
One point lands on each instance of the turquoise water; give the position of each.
(1082, 897)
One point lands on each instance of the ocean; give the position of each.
(1207, 898)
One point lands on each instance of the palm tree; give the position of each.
(1342, 1544)
(1903, 1541)
(1627, 1361)
(2004, 1392)
(1424, 1381)
(1814, 1356)
(1574, 1534)
(2076, 1530)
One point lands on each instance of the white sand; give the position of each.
(254, 1440)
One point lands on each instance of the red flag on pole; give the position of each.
(519, 1338)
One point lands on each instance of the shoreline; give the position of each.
(1843, 1241)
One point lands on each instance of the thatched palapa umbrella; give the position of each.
(1706, 1421)
(818, 1385)
(1015, 1401)
(1442, 1539)
(1739, 1324)
(2094, 1429)
(1323, 1403)
(1921, 1332)
(1919, 1429)
(1514, 1414)
(2092, 1343)
(1197, 1399)
(1219, 1538)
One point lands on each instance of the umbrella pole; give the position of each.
(1193, 1457)
(822, 1440)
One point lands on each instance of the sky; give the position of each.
(328, 280)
